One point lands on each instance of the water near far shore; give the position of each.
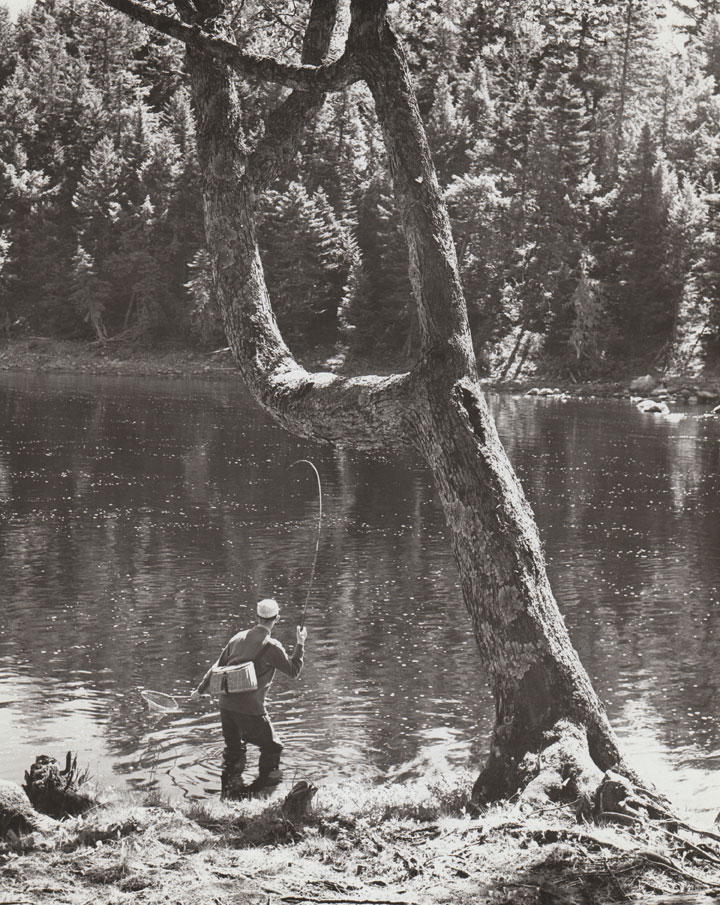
(141, 518)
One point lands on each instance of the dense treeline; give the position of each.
(578, 144)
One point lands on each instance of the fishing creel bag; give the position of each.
(233, 679)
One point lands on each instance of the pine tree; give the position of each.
(696, 13)
(644, 305)
(8, 54)
(5, 283)
(309, 259)
(341, 149)
(66, 106)
(449, 134)
(89, 293)
(203, 318)
(184, 231)
(589, 318)
(377, 316)
(554, 222)
(633, 75)
(478, 211)
(701, 315)
(687, 219)
(97, 197)
(475, 103)
(98, 207)
(710, 49)
(431, 32)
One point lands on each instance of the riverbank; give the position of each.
(42, 354)
(38, 354)
(392, 845)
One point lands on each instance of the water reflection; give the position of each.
(628, 508)
(142, 519)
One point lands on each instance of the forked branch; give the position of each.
(325, 77)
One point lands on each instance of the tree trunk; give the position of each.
(624, 86)
(536, 677)
(543, 697)
(535, 674)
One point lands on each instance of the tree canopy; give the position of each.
(564, 136)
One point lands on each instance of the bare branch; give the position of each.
(327, 77)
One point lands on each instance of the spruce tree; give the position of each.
(449, 133)
(377, 317)
(643, 300)
(478, 211)
(310, 262)
(97, 201)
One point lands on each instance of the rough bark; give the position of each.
(544, 698)
(535, 674)
(54, 792)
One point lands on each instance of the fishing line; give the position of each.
(165, 703)
(319, 530)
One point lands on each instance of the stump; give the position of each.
(297, 801)
(54, 792)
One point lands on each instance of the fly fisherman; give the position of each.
(242, 714)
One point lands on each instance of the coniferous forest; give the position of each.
(577, 142)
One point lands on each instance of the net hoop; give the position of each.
(160, 702)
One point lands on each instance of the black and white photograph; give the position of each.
(359, 452)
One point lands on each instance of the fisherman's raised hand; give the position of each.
(301, 635)
(195, 696)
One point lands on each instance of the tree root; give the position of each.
(564, 773)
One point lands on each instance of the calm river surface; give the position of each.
(141, 519)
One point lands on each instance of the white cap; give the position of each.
(268, 608)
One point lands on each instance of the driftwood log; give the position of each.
(55, 792)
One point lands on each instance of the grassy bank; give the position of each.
(41, 354)
(398, 844)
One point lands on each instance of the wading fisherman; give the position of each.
(243, 715)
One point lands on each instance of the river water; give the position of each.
(141, 519)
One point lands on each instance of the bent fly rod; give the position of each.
(165, 703)
(319, 530)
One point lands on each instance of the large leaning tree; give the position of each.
(551, 730)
